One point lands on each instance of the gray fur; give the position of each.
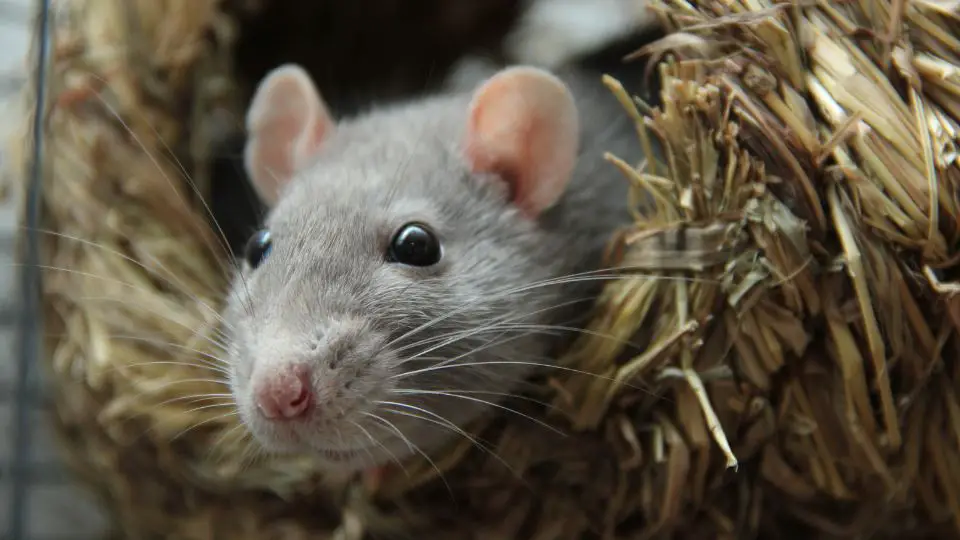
(327, 297)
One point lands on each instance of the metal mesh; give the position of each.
(37, 498)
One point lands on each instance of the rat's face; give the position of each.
(373, 316)
(391, 296)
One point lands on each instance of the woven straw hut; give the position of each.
(797, 301)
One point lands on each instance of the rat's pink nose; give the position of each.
(285, 394)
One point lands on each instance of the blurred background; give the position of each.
(53, 508)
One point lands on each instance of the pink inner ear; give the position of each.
(286, 124)
(523, 126)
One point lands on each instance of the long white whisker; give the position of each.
(91, 276)
(447, 424)
(406, 440)
(218, 339)
(252, 452)
(504, 362)
(592, 275)
(199, 424)
(208, 360)
(177, 284)
(209, 366)
(490, 404)
(493, 342)
(162, 387)
(414, 392)
(222, 239)
(451, 362)
(205, 407)
(503, 318)
(440, 420)
(376, 442)
(490, 327)
(201, 397)
(226, 435)
(546, 329)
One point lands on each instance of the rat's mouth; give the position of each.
(295, 443)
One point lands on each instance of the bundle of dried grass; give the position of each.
(796, 298)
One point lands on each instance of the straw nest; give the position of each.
(801, 372)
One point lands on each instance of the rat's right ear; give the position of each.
(523, 125)
(286, 123)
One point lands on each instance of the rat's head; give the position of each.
(384, 303)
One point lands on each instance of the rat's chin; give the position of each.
(343, 464)
(286, 443)
(288, 440)
(353, 459)
(276, 439)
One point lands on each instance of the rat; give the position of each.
(420, 260)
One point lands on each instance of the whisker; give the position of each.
(469, 331)
(189, 399)
(170, 281)
(547, 328)
(205, 422)
(218, 369)
(591, 275)
(252, 452)
(226, 435)
(447, 424)
(92, 276)
(200, 424)
(220, 237)
(490, 327)
(413, 448)
(155, 389)
(208, 360)
(205, 407)
(440, 420)
(414, 392)
(395, 429)
(507, 362)
(197, 398)
(493, 342)
(490, 404)
(376, 442)
(218, 338)
(224, 246)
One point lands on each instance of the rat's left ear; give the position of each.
(286, 123)
(523, 125)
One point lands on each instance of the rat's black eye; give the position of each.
(414, 245)
(258, 248)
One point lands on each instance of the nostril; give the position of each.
(302, 401)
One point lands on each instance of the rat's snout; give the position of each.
(312, 390)
(285, 394)
(319, 377)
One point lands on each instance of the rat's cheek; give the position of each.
(384, 381)
(239, 356)
(248, 416)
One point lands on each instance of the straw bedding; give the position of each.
(794, 292)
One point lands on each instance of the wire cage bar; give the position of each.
(21, 395)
